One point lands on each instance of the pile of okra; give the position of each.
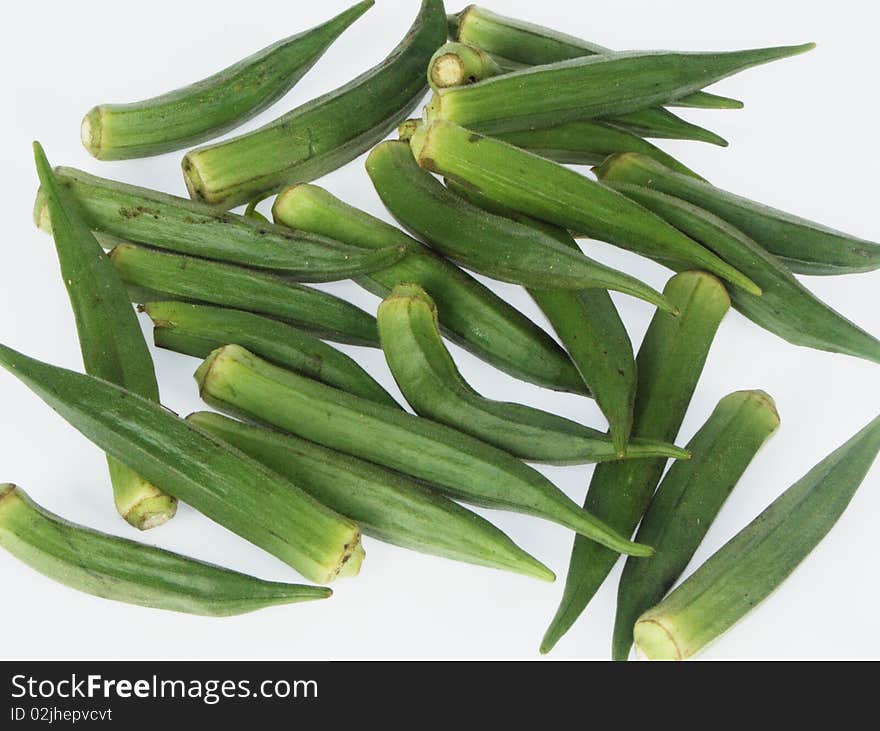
(314, 451)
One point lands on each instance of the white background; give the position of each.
(805, 142)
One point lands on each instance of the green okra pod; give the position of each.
(234, 380)
(212, 282)
(212, 106)
(527, 44)
(687, 501)
(591, 87)
(134, 573)
(117, 211)
(744, 571)
(110, 338)
(786, 307)
(323, 134)
(551, 192)
(803, 246)
(197, 330)
(489, 244)
(470, 314)
(385, 504)
(222, 483)
(669, 364)
(433, 386)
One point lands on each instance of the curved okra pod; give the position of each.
(197, 330)
(433, 386)
(117, 211)
(212, 282)
(471, 314)
(590, 88)
(214, 105)
(110, 338)
(803, 246)
(527, 44)
(786, 308)
(134, 573)
(385, 504)
(744, 571)
(222, 483)
(323, 134)
(551, 192)
(234, 380)
(669, 364)
(687, 501)
(492, 245)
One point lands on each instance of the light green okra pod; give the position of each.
(214, 105)
(669, 364)
(110, 338)
(492, 245)
(435, 389)
(234, 380)
(120, 212)
(786, 307)
(325, 133)
(803, 246)
(199, 329)
(744, 571)
(222, 483)
(189, 278)
(471, 314)
(687, 502)
(134, 573)
(551, 192)
(385, 504)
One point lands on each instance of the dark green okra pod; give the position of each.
(687, 501)
(325, 133)
(212, 106)
(471, 314)
(435, 389)
(669, 365)
(199, 329)
(189, 278)
(130, 572)
(222, 483)
(110, 338)
(385, 504)
(744, 571)
(492, 245)
(234, 380)
(803, 246)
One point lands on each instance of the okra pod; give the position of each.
(234, 380)
(551, 192)
(744, 571)
(455, 64)
(471, 314)
(669, 364)
(787, 308)
(687, 502)
(526, 44)
(323, 134)
(117, 211)
(212, 282)
(134, 573)
(492, 245)
(591, 87)
(197, 330)
(431, 383)
(212, 106)
(222, 483)
(110, 337)
(385, 504)
(803, 246)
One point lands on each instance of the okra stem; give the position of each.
(455, 64)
